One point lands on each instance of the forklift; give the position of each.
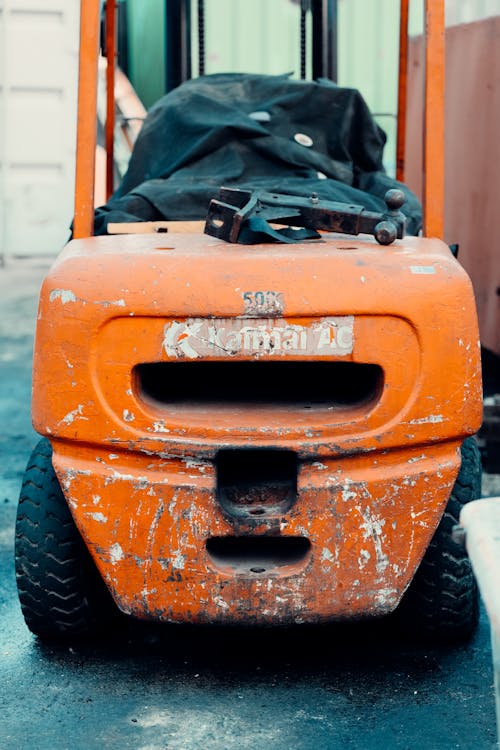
(264, 416)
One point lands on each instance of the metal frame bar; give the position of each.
(324, 39)
(201, 37)
(433, 132)
(111, 52)
(178, 69)
(177, 42)
(304, 8)
(402, 90)
(87, 118)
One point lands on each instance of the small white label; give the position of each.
(422, 269)
(260, 116)
(199, 337)
(303, 139)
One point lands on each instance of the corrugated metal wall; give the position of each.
(457, 11)
(38, 75)
(368, 60)
(261, 36)
(466, 11)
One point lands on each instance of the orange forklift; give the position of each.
(271, 433)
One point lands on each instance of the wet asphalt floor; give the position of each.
(173, 688)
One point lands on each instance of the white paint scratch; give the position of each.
(110, 303)
(348, 494)
(327, 555)
(372, 528)
(116, 553)
(385, 597)
(160, 426)
(99, 517)
(192, 463)
(364, 558)
(179, 561)
(72, 415)
(65, 295)
(139, 482)
(70, 475)
(432, 419)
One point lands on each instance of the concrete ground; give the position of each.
(170, 688)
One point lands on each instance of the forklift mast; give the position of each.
(324, 64)
(178, 27)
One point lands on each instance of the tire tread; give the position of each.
(60, 591)
(442, 602)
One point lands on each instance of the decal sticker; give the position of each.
(263, 304)
(274, 337)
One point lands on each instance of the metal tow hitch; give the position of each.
(244, 216)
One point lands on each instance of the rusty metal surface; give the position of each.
(142, 473)
(147, 523)
(472, 151)
(231, 213)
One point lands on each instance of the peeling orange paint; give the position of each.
(142, 475)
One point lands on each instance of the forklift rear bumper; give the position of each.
(170, 550)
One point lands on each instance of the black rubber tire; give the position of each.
(442, 602)
(61, 593)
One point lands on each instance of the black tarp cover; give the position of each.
(247, 131)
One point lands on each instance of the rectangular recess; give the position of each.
(300, 384)
(259, 555)
(255, 483)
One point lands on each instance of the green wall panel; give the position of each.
(146, 31)
(262, 36)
